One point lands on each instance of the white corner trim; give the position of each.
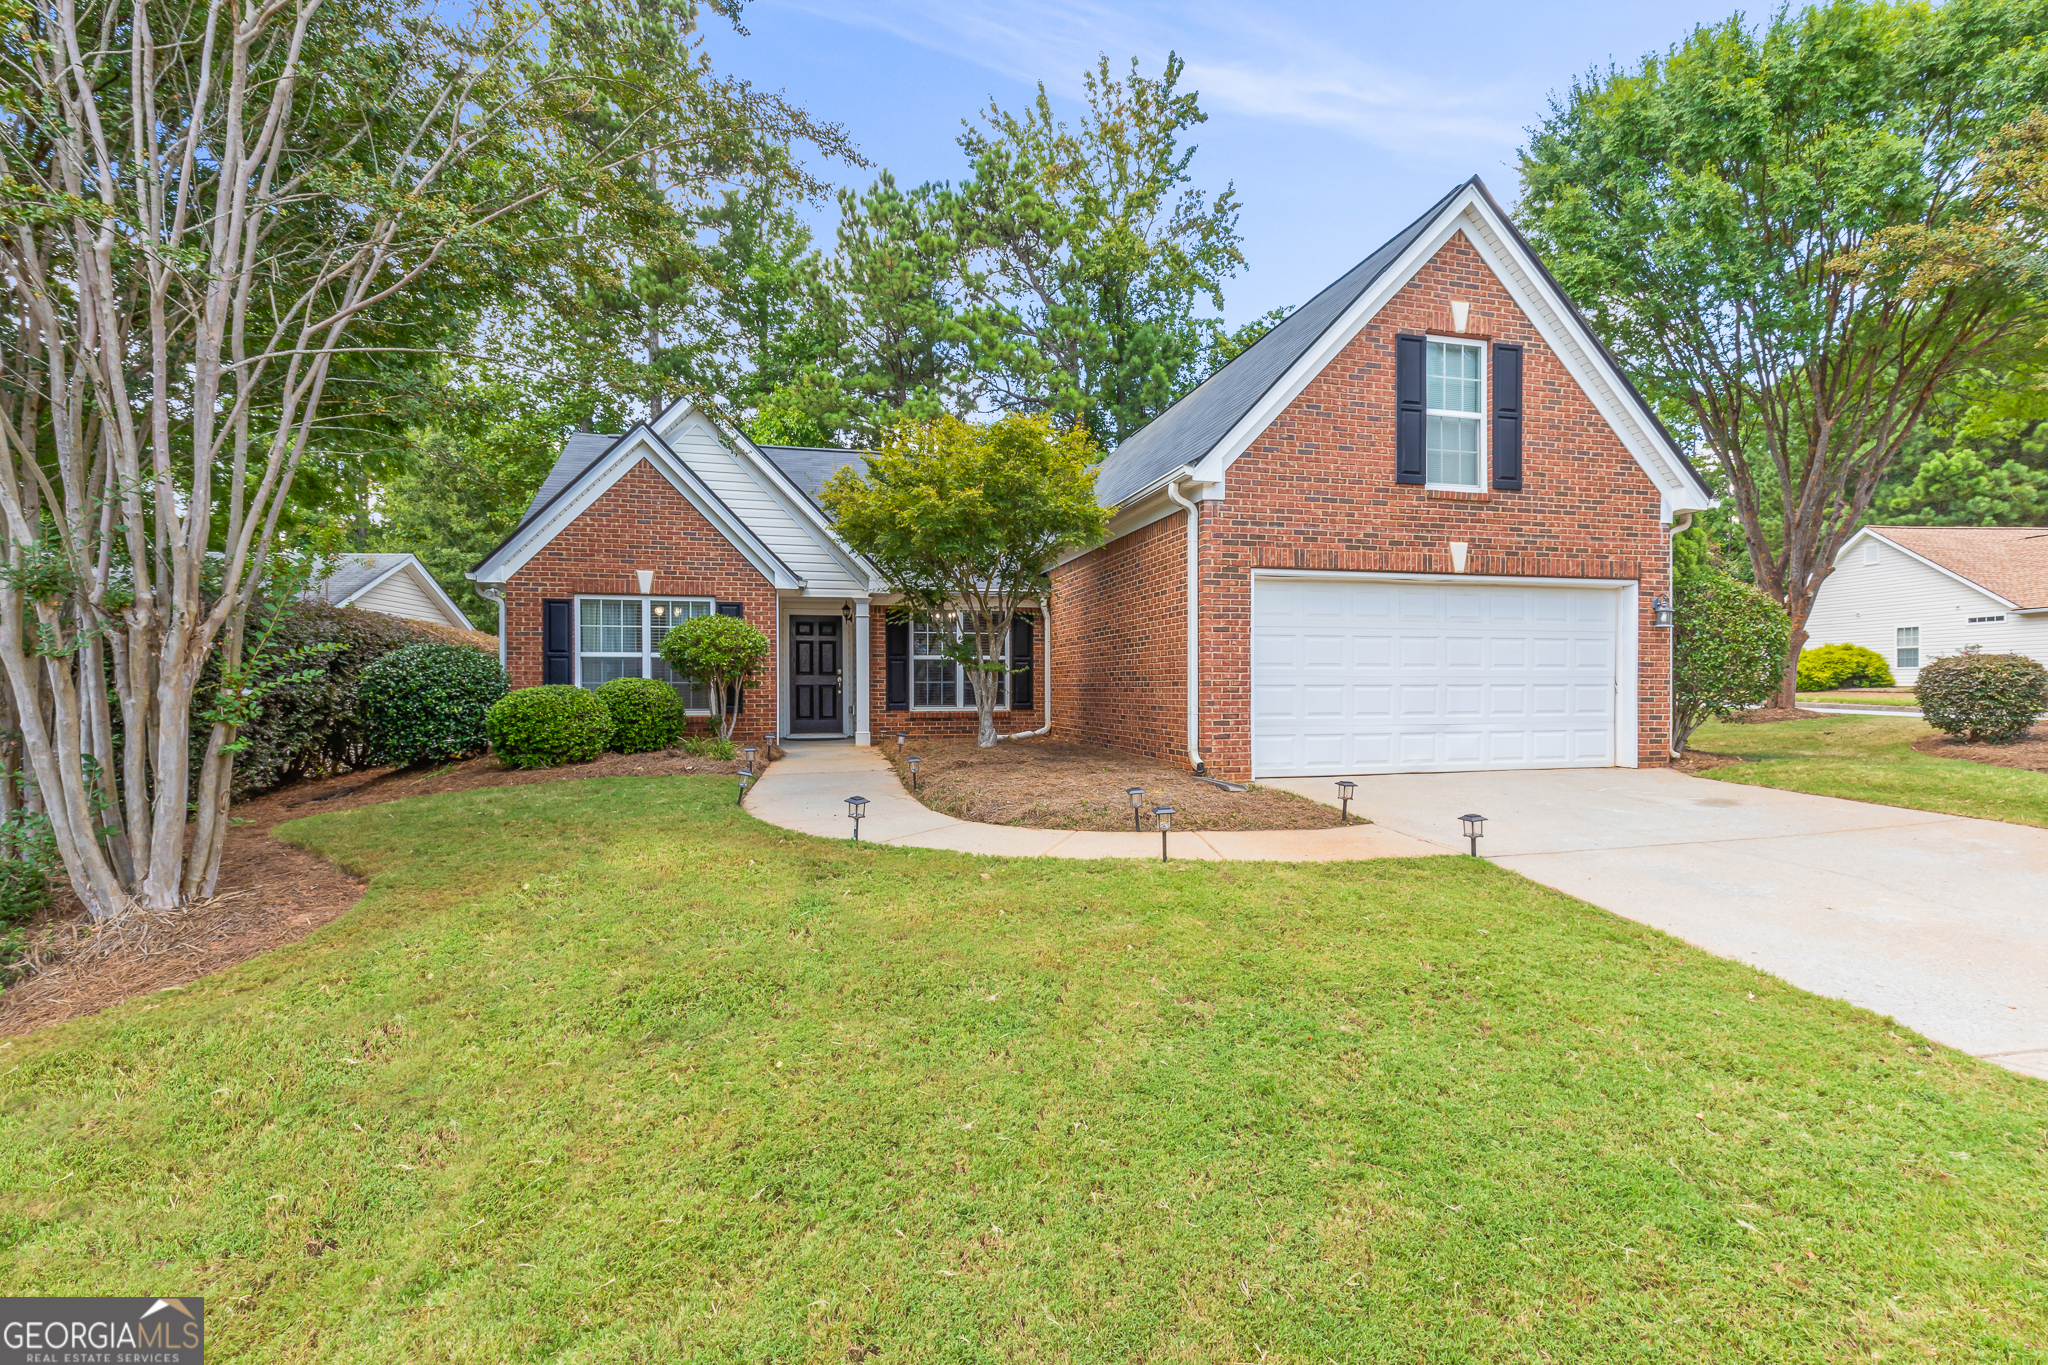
(1470, 213)
(1969, 583)
(638, 444)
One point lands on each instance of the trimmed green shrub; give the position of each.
(1728, 650)
(540, 727)
(1995, 697)
(1832, 666)
(427, 702)
(722, 653)
(646, 714)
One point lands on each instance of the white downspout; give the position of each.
(1044, 671)
(1680, 524)
(496, 594)
(1173, 493)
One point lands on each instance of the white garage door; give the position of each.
(1358, 676)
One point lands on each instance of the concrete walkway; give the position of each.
(807, 789)
(1938, 921)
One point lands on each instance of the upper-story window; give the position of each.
(1454, 448)
(620, 637)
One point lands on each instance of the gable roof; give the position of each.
(808, 467)
(1214, 418)
(2009, 562)
(582, 450)
(356, 574)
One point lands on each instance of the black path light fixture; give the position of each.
(856, 806)
(913, 762)
(749, 752)
(899, 744)
(768, 744)
(1661, 613)
(1163, 817)
(1345, 789)
(746, 779)
(1475, 830)
(1137, 795)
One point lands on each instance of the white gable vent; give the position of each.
(1870, 552)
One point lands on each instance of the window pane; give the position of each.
(1453, 451)
(611, 626)
(1909, 646)
(696, 697)
(1453, 377)
(937, 683)
(599, 669)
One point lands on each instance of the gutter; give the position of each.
(1044, 670)
(495, 593)
(1173, 492)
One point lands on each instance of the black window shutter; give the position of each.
(1410, 421)
(1507, 416)
(732, 609)
(1020, 662)
(558, 634)
(897, 675)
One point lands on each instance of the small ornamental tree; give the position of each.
(1727, 650)
(963, 520)
(722, 653)
(1994, 697)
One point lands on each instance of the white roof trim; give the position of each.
(794, 500)
(640, 443)
(1969, 583)
(411, 565)
(1471, 213)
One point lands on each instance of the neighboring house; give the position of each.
(392, 584)
(1433, 521)
(682, 516)
(1430, 519)
(1916, 593)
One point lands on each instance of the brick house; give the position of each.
(1424, 523)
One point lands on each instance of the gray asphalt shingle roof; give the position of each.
(1191, 428)
(809, 466)
(353, 573)
(579, 452)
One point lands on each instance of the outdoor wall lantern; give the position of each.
(847, 611)
(1661, 614)
(1344, 793)
(856, 806)
(913, 762)
(1163, 816)
(1137, 795)
(1475, 830)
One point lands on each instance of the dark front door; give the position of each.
(814, 675)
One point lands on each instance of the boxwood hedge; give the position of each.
(646, 714)
(427, 702)
(539, 727)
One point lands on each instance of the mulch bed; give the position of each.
(1695, 762)
(1054, 784)
(1767, 715)
(270, 894)
(2030, 753)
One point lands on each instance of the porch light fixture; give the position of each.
(913, 762)
(1475, 830)
(1661, 614)
(1137, 795)
(847, 611)
(856, 806)
(1163, 817)
(1344, 792)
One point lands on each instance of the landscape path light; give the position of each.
(913, 762)
(1163, 816)
(750, 757)
(1475, 830)
(856, 806)
(899, 744)
(1137, 795)
(1344, 792)
(745, 778)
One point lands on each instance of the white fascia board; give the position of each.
(1970, 583)
(1554, 322)
(640, 443)
(1144, 507)
(771, 477)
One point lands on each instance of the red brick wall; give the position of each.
(640, 522)
(1121, 615)
(1316, 490)
(884, 725)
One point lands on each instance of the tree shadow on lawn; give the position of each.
(610, 1069)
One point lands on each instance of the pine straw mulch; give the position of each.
(2030, 753)
(270, 894)
(1054, 784)
(1770, 715)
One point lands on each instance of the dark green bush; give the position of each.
(427, 702)
(1831, 666)
(312, 727)
(1995, 697)
(646, 714)
(28, 862)
(1728, 650)
(539, 727)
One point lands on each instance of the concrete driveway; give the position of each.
(1938, 921)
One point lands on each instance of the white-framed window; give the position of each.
(620, 637)
(937, 683)
(1454, 449)
(1909, 647)
(1985, 620)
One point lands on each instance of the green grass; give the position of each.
(604, 1070)
(1847, 699)
(1871, 758)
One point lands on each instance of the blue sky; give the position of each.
(1338, 123)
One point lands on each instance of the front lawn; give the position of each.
(607, 1070)
(1871, 758)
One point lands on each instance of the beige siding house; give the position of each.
(1916, 593)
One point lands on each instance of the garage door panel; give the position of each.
(1363, 677)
